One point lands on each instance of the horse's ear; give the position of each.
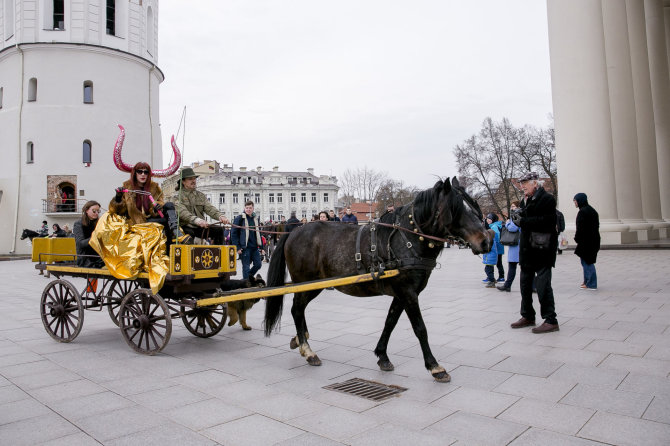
(454, 182)
(446, 186)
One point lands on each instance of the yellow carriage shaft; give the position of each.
(296, 288)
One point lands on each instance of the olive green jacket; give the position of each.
(192, 205)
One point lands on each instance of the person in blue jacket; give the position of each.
(490, 259)
(512, 252)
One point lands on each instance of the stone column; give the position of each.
(660, 91)
(580, 94)
(622, 113)
(644, 112)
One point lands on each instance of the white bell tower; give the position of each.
(70, 71)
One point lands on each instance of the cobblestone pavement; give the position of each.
(602, 379)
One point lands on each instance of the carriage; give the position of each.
(192, 291)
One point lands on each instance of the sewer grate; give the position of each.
(366, 389)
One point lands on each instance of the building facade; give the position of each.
(611, 97)
(70, 71)
(274, 193)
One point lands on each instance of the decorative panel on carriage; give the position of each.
(202, 261)
(63, 249)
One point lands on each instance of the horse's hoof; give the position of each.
(294, 343)
(442, 377)
(385, 366)
(314, 360)
(246, 328)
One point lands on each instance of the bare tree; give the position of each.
(395, 193)
(362, 183)
(489, 161)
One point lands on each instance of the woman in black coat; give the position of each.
(587, 236)
(83, 228)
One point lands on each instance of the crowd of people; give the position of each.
(531, 233)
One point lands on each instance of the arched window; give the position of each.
(86, 154)
(30, 153)
(9, 18)
(150, 31)
(32, 90)
(111, 18)
(88, 92)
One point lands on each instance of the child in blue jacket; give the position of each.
(490, 259)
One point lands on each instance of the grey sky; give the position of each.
(390, 84)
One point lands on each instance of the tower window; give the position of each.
(88, 92)
(86, 154)
(32, 89)
(111, 17)
(59, 14)
(10, 18)
(150, 31)
(30, 153)
(1, 91)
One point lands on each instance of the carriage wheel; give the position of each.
(62, 311)
(119, 289)
(204, 321)
(145, 321)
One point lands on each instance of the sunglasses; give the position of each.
(143, 172)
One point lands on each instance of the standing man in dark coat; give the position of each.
(292, 223)
(587, 237)
(537, 219)
(246, 236)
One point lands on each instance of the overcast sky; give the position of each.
(391, 84)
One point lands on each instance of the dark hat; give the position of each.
(581, 199)
(187, 172)
(528, 176)
(492, 216)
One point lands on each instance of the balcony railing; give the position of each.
(58, 205)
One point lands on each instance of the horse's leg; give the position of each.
(300, 301)
(414, 314)
(395, 310)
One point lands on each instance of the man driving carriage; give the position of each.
(192, 207)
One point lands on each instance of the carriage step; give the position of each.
(370, 390)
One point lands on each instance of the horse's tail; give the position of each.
(276, 277)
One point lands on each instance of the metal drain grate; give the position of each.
(366, 389)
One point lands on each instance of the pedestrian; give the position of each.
(323, 216)
(332, 216)
(193, 207)
(537, 253)
(292, 222)
(490, 259)
(512, 251)
(496, 225)
(587, 236)
(349, 217)
(560, 227)
(247, 237)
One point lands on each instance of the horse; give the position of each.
(402, 239)
(29, 234)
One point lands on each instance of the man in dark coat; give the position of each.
(587, 237)
(247, 237)
(292, 223)
(537, 220)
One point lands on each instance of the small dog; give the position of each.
(238, 309)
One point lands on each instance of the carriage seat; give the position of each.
(50, 250)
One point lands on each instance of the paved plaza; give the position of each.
(602, 379)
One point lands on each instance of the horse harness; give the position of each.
(379, 264)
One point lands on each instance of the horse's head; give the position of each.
(25, 234)
(461, 216)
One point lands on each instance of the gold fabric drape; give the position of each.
(129, 250)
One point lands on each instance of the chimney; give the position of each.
(275, 169)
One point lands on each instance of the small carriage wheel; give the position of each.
(119, 289)
(205, 321)
(145, 321)
(61, 310)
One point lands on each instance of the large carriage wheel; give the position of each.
(145, 321)
(119, 289)
(62, 311)
(205, 321)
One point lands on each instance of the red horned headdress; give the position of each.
(118, 162)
